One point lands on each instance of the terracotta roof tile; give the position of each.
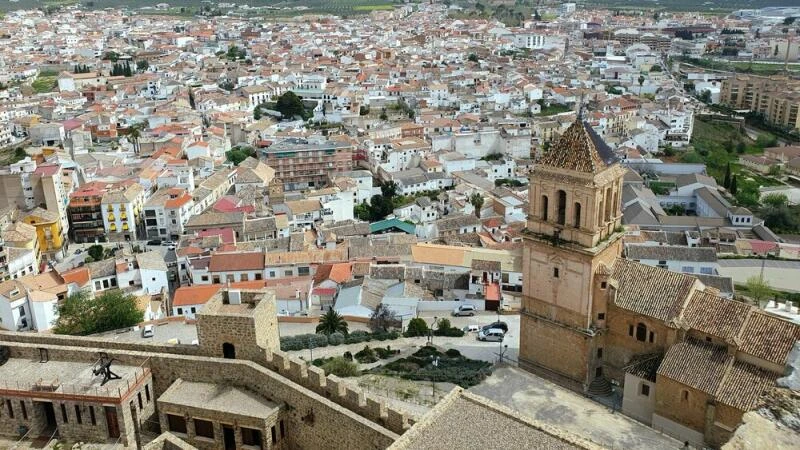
(696, 364)
(227, 262)
(768, 337)
(714, 315)
(651, 291)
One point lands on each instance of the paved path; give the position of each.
(552, 404)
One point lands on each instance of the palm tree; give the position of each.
(331, 322)
(641, 83)
(134, 133)
(477, 201)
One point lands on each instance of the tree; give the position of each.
(775, 200)
(733, 188)
(290, 105)
(472, 57)
(641, 83)
(111, 56)
(384, 116)
(656, 68)
(705, 96)
(96, 252)
(142, 65)
(726, 183)
(382, 319)
(134, 134)
(332, 322)
(340, 367)
(81, 314)
(758, 289)
(417, 327)
(239, 153)
(476, 200)
(389, 189)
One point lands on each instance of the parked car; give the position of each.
(472, 328)
(171, 247)
(491, 335)
(464, 310)
(501, 325)
(154, 242)
(148, 331)
(168, 243)
(78, 251)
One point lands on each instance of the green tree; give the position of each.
(142, 65)
(476, 200)
(389, 189)
(239, 153)
(758, 289)
(472, 57)
(775, 200)
(416, 327)
(383, 115)
(332, 322)
(111, 56)
(726, 183)
(290, 106)
(641, 83)
(134, 134)
(382, 319)
(733, 187)
(96, 252)
(81, 314)
(656, 68)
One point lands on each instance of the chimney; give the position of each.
(234, 297)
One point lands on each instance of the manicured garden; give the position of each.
(429, 364)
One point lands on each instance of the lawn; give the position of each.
(554, 109)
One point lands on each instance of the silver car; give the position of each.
(491, 335)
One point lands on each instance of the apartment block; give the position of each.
(307, 163)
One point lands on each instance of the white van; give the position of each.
(464, 310)
(491, 335)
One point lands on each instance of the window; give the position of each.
(216, 279)
(251, 436)
(644, 389)
(258, 276)
(598, 372)
(64, 417)
(10, 409)
(244, 277)
(562, 207)
(601, 316)
(204, 278)
(204, 428)
(283, 430)
(91, 415)
(630, 330)
(274, 435)
(139, 397)
(603, 285)
(24, 409)
(147, 392)
(301, 271)
(544, 207)
(176, 423)
(685, 395)
(21, 311)
(577, 214)
(193, 310)
(652, 336)
(555, 272)
(78, 414)
(599, 352)
(687, 269)
(180, 311)
(641, 332)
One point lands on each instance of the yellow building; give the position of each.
(49, 232)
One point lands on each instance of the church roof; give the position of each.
(580, 149)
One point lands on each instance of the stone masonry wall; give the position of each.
(311, 420)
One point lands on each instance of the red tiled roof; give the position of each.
(194, 295)
(228, 262)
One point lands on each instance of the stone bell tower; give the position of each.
(573, 236)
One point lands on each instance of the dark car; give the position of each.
(154, 242)
(501, 325)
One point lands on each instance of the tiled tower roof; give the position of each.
(579, 149)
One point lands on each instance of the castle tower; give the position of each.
(573, 235)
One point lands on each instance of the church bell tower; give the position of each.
(573, 236)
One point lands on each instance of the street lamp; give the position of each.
(430, 332)
(503, 349)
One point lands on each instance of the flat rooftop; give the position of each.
(220, 398)
(65, 378)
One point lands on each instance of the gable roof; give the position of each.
(227, 262)
(650, 291)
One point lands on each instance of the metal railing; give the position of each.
(57, 390)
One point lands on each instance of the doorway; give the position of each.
(112, 422)
(228, 437)
(228, 351)
(49, 415)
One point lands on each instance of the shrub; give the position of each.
(340, 367)
(416, 327)
(319, 340)
(444, 328)
(384, 353)
(366, 356)
(356, 337)
(336, 338)
(453, 353)
(348, 356)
